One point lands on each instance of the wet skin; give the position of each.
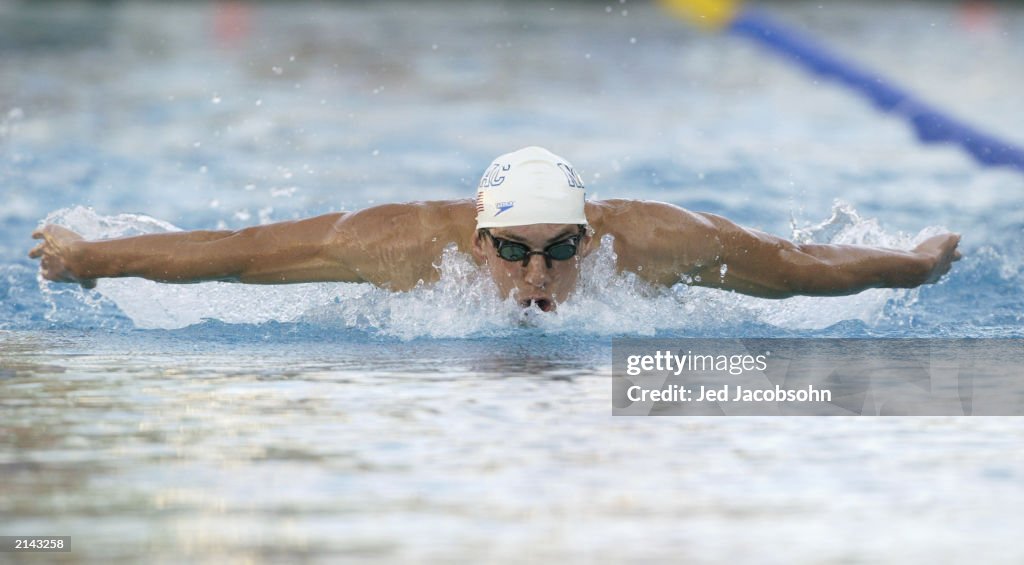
(398, 246)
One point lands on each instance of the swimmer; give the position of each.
(528, 227)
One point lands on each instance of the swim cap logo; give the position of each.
(494, 177)
(504, 207)
(574, 179)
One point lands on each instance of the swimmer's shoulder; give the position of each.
(450, 221)
(430, 214)
(620, 216)
(603, 215)
(599, 212)
(450, 216)
(460, 212)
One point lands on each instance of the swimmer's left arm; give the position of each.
(666, 244)
(760, 264)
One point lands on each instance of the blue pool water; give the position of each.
(325, 422)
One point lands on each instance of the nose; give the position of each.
(536, 272)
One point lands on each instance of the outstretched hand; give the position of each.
(56, 251)
(942, 251)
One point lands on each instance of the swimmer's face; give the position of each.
(534, 283)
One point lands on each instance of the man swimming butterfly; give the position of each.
(529, 227)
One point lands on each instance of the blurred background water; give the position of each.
(325, 422)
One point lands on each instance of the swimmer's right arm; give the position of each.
(381, 245)
(282, 252)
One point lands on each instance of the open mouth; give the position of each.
(546, 305)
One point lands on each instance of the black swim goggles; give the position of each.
(516, 252)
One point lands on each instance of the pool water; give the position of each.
(326, 422)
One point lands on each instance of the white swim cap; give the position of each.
(529, 186)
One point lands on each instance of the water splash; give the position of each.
(464, 303)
